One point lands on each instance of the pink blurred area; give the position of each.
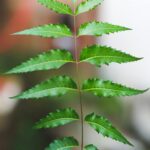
(20, 17)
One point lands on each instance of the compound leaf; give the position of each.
(56, 6)
(108, 89)
(56, 86)
(48, 31)
(52, 59)
(103, 126)
(99, 28)
(58, 118)
(90, 147)
(87, 5)
(67, 143)
(99, 55)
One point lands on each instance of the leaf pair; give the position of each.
(60, 30)
(67, 143)
(54, 59)
(61, 85)
(62, 8)
(68, 115)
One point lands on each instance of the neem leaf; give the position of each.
(98, 55)
(48, 31)
(58, 118)
(67, 143)
(56, 6)
(99, 28)
(52, 59)
(56, 86)
(90, 147)
(108, 89)
(103, 126)
(87, 5)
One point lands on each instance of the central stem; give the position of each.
(78, 81)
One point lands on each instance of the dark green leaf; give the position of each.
(56, 86)
(103, 126)
(99, 55)
(52, 59)
(87, 5)
(58, 118)
(67, 143)
(90, 147)
(56, 6)
(99, 28)
(48, 31)
(107, 88)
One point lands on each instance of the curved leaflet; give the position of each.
(108, 89)
(103, 126)
(52, 59)
(99, 55)
(58, 118)
(56, 86)
(48, 31)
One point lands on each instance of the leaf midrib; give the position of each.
(51, 121)
(120, 57)
(67, 61)
(97, 29)
(63, 10)
(92, 89)
(57, 33)
(107, 130)
(41, 91)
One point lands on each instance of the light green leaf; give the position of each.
(67, 143)
(87, 5)
(52, 59)
(90, 147)
(108, 89)
(103, 126)
(99, 55)
(99, 28)
(48, 31)
(56, 6)
(58, 118)
(56, 86)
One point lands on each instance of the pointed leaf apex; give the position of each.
(47, 31)
(99, 28)
(57, 6)
(103, 125)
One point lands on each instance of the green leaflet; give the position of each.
(103, 126)
(67, 143)
(108, 89)
(56, 6)
(90, 147)
(58, 118)
(56, 86)
(87, 5)
(48, 31)
(99, 55)
(52, 59)
(99, 28)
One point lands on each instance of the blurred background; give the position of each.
(131, 114)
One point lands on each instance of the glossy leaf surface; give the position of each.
(56, 86)
(108, 89)
(87, 5)
(52, 59)
(99, 28)
(58, 118)
(98, 55)
(103, 126)
(48, 31)
(56, 6)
